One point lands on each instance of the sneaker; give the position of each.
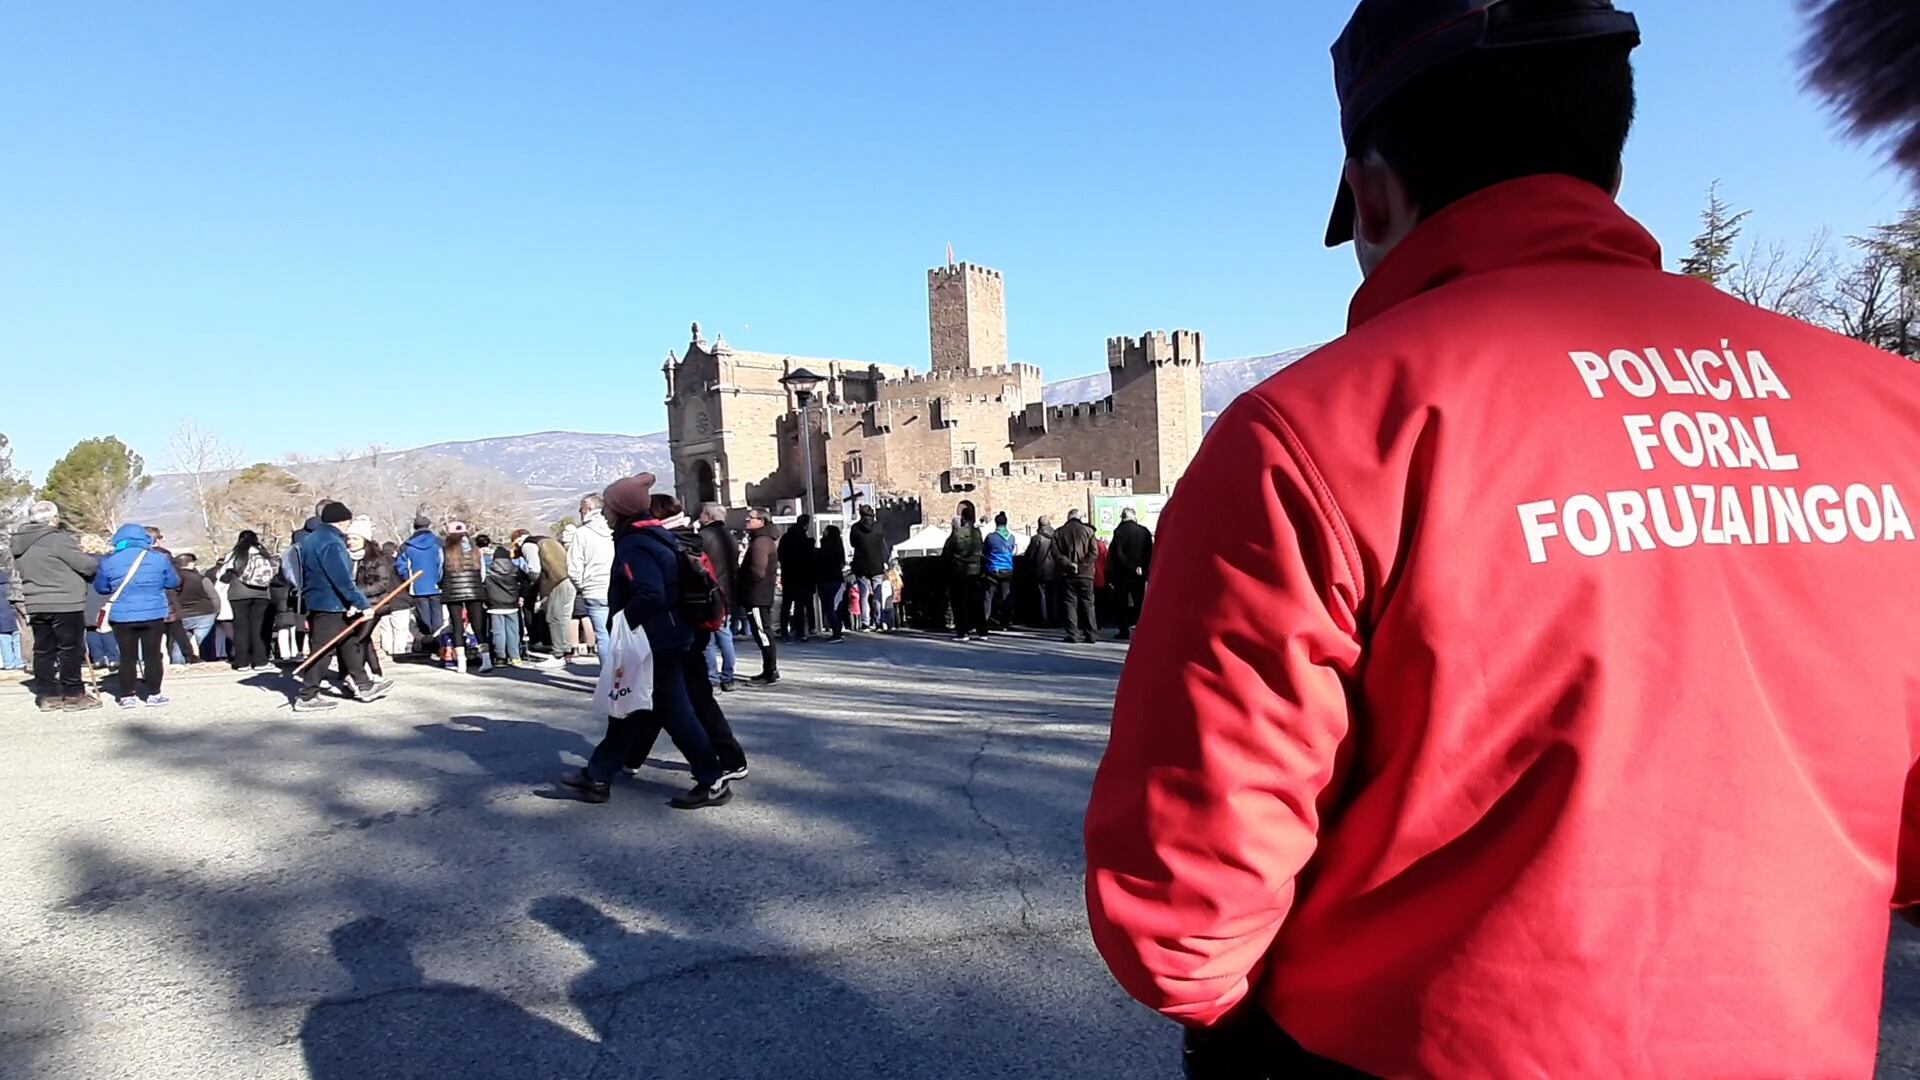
(83, 703)
(155, 701)
(128, 702)
(375, 692)
(50, 704)
(836, 639)
(314, 704)
(728, 687)
(738, 772)
(979, 635)
(584, 787)
(765, 678)
(263, 667)
(702, 795)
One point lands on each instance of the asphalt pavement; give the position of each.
(226, 889)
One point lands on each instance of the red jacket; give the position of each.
(1511, 741)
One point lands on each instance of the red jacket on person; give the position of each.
(1555, 696)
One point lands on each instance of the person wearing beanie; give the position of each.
(373, 572)
(331, 597)
(421, 554)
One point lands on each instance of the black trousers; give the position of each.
(796, 612)
(999, 599)
(706, 709)
(1252, 1047)
(143, 648)
(1047, 603)
(321, 626)
(249, 639)
(59, 646)
(1128, 594)
(467, 617)
(1082, 622)
(968, 597)
(760, 621)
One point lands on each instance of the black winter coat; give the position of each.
(830, 560)
(797, 555)
(375, 575)
(460, 576)
(716, 540)
(871, 551)
(965, 552)
(1076, 550)
(1131, 549)
(505, 583)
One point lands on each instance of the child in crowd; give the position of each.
(506, 579)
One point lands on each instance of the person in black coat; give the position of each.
(1046, 575)
(830, 577)
(754, 590)
(871, 553)
(1129, 556)
(965, 555)
(798, 554)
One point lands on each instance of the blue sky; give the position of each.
(315, 226)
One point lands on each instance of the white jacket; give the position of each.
(590, 558)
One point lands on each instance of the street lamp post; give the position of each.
(802, 382)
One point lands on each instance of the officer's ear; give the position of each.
(1383, 212)
(1619, 180)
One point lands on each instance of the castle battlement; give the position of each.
(1156, 347)
(961, 270)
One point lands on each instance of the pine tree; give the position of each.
(96, 482)
(1712, 257)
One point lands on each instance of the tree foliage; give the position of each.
(96, 483)
(1711, 259)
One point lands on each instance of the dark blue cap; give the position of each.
(1389, 42)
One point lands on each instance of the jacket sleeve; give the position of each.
(403, 564)
(81, 563)
(1906, 885)
(169, 577)
(577, 562)
(337, 565)
(1226, 724)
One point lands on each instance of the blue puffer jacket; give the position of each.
(646, 585)
(421, 552)
(1000, 547)
(326, 573)
(145, 597)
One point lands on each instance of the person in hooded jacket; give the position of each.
(422, 554)
(798, 558)
(871, 553)
(136, 579)
(706, 708)
(507, 579)
(1046, 574)
(463, 588)
(334, 604)
(965, 557)
(1001, 547)
(10, 659)
(830, 577)
(645, 589)
(53, 575)
(759, 567)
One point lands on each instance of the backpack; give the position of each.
(702, 603)
(259, 571)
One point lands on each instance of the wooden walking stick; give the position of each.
(357, 623)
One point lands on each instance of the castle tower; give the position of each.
(1156, 386)
(967, 317)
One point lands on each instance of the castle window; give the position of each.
(1136, 466)
(969, 454)
(855, 467)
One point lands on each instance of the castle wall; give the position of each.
(1025, 490)
(1147, 430)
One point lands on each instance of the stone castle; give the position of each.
(973, 427)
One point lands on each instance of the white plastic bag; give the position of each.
(626, 670)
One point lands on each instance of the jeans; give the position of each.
(506, 634)
(429, 613)
(10, 652)
(869, 600)
(831, 593)
(672, 710)
(706, 709)
(140, 653)
(102, 649)
(560, 617)
(597, 615)
(56, 653)
(720, 658)
(198, 629)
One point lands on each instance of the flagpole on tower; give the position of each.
(949, 253)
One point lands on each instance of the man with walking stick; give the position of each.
(332, 600)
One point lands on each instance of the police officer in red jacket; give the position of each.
(1552, 714)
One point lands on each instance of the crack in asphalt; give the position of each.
(1006, 842)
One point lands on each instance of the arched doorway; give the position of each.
(705, 485)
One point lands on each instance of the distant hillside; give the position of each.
(558, 466)
(1220, 381)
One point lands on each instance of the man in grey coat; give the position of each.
(53, 574)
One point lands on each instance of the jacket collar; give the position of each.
(1529, 222)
